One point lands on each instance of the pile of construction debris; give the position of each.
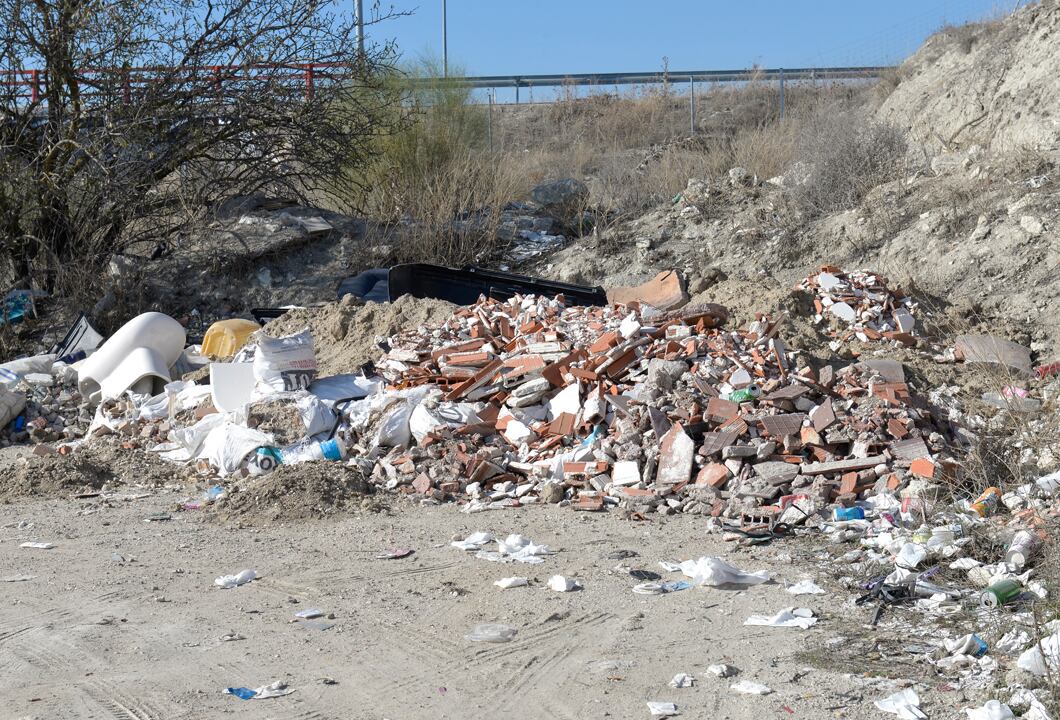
(860, 304)
(623, 405)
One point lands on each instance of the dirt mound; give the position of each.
(347, 332)
(100, 465)
(296, 492)
(993, 83)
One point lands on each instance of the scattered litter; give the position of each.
(17, 578)
(491, 633)
(309, 614)
(992, 710)
(514, 548)
(394, 554)
(276, 689)
(682, 680)
(789, 617)
(716, 572)
(749, 687)
(722, 671)
(651, 588)
(473, 541)
(806, 587)
(232, 637)
(228, 582)
(904, 703)
(563, 584)
(511, 582)
(662, 709)
(38, 545)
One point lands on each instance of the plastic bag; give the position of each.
(714, 571)
(284, 364)
(491, 633)
(905, 704)
(11, 405)
(12, 372)
(316, 415)
(227, 444)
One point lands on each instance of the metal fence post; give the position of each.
(781, 92)
(309, 90)
(489, 119)
(35, 87)
(692, 104)
(517, 91)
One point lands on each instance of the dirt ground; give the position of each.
(122, 620)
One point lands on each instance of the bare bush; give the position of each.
(845, 155)
(143, 110)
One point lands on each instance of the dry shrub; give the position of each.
(434, 184)
(846, 155)
(453, 212)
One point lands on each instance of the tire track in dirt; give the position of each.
(527, 639)
(51, 654)
(548, 670)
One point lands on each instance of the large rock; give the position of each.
(563, 199)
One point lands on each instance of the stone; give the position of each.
(1032, 225)
(676, 452)
(552, 493)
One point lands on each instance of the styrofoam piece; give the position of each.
(138, 356)
(231, 385)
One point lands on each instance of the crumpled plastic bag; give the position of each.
(750, 687)
(910, 556)
(276, 689)
(806, 587)
(788, 617)
(516, 548)
(992, 710)
(389, 413)
(474, 541)
(227, 582)
(661, 709)
(227, 444)
(714, 571)
(179, 395)
(1041, 656)
(904, 703)
(424, 420)
(316, 415)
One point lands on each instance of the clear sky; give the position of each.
(504, 37)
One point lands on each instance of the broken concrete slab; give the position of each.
(994, 351)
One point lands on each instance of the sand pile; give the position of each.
(102, 464)
(294, 492)
(347, 332)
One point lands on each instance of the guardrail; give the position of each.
(123, 85)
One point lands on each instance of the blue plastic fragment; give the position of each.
(241, 693)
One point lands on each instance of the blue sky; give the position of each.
(503, 37)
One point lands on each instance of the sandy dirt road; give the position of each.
(121, 619)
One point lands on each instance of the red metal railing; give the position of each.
(30, 85)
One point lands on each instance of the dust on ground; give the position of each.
(294, 492)
(347, 333)
(140, 630)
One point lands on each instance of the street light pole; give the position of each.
(445, 44)
(359, 10)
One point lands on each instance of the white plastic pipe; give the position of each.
(137, 356)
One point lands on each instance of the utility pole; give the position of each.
(445, 44)
(359, 9)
